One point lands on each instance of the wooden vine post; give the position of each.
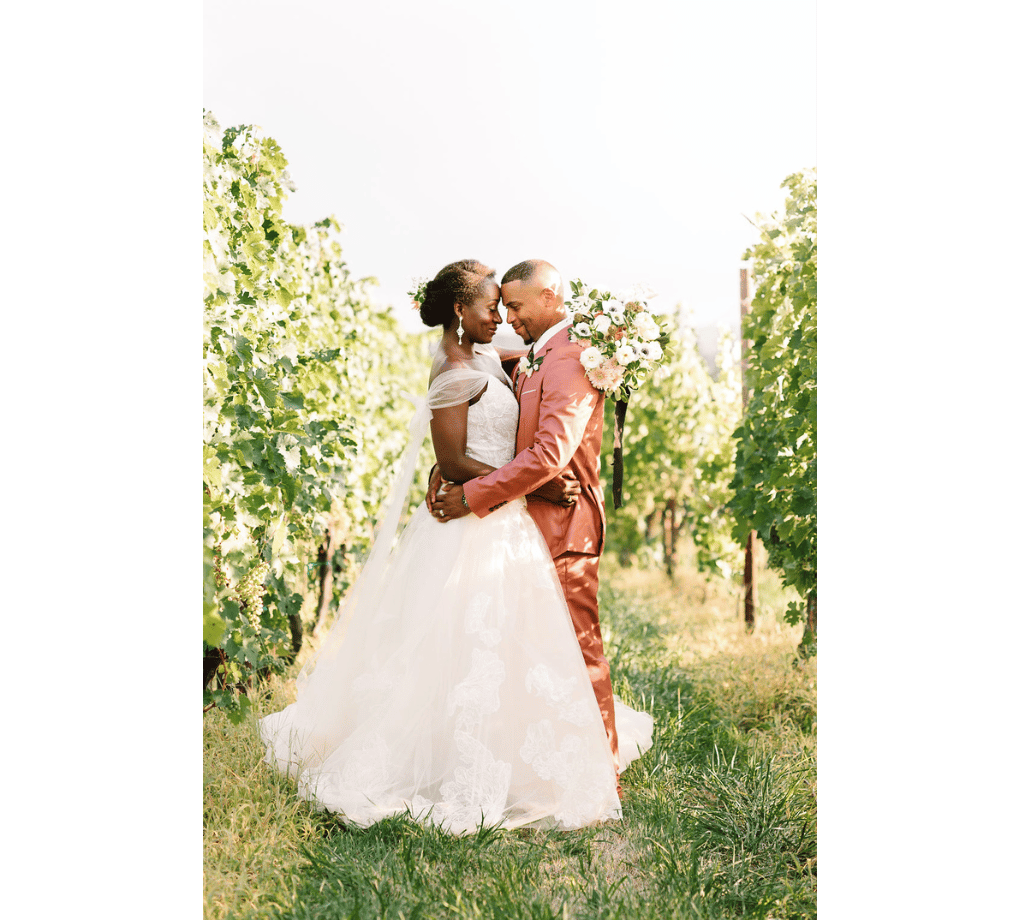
(750, 577)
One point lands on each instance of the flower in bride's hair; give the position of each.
(607, 376)
(591, 357)
(417, 295)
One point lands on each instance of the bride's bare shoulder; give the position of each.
(445, 364)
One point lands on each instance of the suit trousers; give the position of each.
(579, 578)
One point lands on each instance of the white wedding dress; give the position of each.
(452, 687)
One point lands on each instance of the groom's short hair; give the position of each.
(522, 271)
(525, 271)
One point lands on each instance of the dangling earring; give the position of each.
(460, 330)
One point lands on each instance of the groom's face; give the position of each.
(525, 309)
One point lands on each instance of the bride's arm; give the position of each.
(449, 438)
(508, 354)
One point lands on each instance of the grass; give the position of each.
(719, 815)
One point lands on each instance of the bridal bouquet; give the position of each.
(621, 342)
(620, 339)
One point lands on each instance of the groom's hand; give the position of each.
(449, 504)
(561, 490)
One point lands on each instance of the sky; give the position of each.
(626, 144)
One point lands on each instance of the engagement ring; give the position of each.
(442, 514)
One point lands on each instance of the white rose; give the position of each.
(582, 331)
(645, 326)
(602, 324)
(625, 354)
(591, 357)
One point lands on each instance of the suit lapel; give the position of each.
(560, 337)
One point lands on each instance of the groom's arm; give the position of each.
(568, 400)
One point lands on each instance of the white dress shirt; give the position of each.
(548, 334)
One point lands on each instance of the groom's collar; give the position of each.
(544, 338)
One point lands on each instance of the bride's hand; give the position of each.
(561, 490)
(435, 481)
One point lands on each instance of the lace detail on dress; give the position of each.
(557, 692)
(492, 425)
(572, 767)
(477, 695)
(477, 620)
(477, 791)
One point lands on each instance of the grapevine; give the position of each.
(679, 456)
(303, 411)
(775, 480)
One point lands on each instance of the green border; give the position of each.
(916, 457)
(101, 363)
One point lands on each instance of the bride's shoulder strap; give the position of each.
(454, 383)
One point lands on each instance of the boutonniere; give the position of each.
(530, 364)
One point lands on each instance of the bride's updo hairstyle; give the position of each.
(459, 282)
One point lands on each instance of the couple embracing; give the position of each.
(464, 681)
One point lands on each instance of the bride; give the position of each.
(452, 687)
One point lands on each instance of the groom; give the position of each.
(560, 430)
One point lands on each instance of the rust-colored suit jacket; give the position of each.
(560, 428)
